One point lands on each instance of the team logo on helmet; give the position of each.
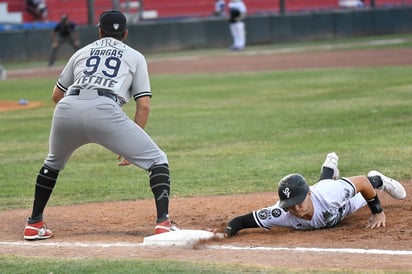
(286, 191)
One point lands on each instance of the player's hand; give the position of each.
(377, 220)
(124, 162)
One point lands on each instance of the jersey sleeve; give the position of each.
(335, 192)
(141, 83)
(275, 216)
(66, 77)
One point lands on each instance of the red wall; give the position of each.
(77, 9)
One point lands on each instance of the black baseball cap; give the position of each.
(292, 190)
(112, 21)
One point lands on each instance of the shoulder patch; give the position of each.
(276, 212)
(263, 214)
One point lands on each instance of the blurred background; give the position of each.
(164, 25)
(85, 11)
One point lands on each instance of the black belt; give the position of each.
(100, 92)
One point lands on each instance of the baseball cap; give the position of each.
(292, 190)
(112, 21)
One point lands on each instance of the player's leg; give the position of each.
(389, 185)
(232, 28)
(53, 53)
(237, 36)
(117, 132)
(65, 137)
(35, 227)
(329, 169)
(241, 35)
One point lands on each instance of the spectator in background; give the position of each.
(237, 14)
(352, 3)
(64, 32)
(220, 6)
(38, 9)
(3, 73)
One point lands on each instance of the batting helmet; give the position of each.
(292, 190)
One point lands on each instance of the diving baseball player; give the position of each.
(322, 205)
(97, 80)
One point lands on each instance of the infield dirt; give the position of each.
(130, 222)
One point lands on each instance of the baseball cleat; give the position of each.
(37, 231)
(390, 186)
(165, 226)
(331, 162)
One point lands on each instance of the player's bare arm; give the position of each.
(363, 185)
(141, 116)
(142, 111)
(57, 95)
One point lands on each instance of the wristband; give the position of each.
(374, 205)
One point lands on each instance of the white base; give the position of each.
(180, 237)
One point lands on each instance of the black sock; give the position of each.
(375, 181)
(46, 179)
(160, 184)
(327, 173)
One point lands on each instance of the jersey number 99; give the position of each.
(111, 69)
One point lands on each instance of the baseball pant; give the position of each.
(238, 32)
(90, 118)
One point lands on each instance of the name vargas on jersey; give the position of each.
(106, 52)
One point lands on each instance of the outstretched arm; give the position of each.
(238, 223)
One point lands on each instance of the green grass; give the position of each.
(37, 265)
(81, 266)
(231, 133)
(224, 134)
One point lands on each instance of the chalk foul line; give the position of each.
(215, 247)
(316, 249)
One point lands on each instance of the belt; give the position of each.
(100, 92)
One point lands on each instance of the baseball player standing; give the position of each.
(97, 80)
(65, 31)
(324, 204)
(237, 14)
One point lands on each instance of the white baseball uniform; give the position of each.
(236, 24)
(332, 202)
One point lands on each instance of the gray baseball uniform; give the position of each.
(97, 80)
(120, 72)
